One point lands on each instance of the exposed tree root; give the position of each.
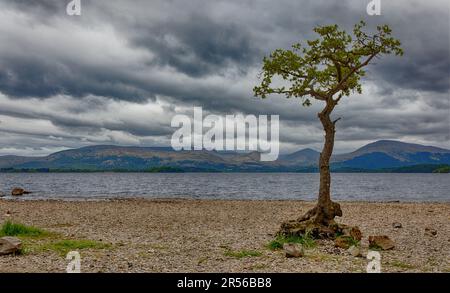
(319, 223)
(323, 214)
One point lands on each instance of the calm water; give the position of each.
(350, 186)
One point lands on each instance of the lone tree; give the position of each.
(328, 69)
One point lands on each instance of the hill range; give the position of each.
(379, 156)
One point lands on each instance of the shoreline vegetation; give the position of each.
(420, 168)
(187, 235)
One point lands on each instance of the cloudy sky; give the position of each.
(119, 72)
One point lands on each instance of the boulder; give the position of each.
(430, 232)
(353, 232)
(292, 250)
(397, 225)
(9, 245)
(382, 242)
(19, 191)
(355, 251)
(343, 241)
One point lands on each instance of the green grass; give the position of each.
(305, 240)
(16, 229)
(64, 246)
(32, 239)
(351, 241)
(242, 253)
(375, 247)
(402, 265)
(444, 169)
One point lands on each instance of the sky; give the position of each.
(120, 71)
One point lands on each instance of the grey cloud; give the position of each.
(208, 54)
(198, 45)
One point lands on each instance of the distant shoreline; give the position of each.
(187, 199)
(415, 169)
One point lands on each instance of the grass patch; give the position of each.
(16, 229)
(258, 267)
(375, 247)
(402, 265)
(321, 257)
(350, 241)
(158, 246)
(202, 260)
(64, 246)
(305, 240)
(32, 239)
(242, 253)
(353, 242)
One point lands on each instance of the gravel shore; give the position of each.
(198, 236)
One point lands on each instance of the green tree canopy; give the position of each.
(332, 64)
(326, 69)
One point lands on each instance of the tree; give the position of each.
(326, 70)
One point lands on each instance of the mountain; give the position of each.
(305, 157)
(8, 161)
(109, 158)
(391, 154)
(383, 155)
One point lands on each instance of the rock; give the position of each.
(383, 242)
(2, 194)
(343, 242)
(355, 251)
(353, 232)
(292, 250)
(19, 191)
(430, 232)
(9, 245)
(397, 225)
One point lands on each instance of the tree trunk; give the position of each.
(325, 210)
(319, 221)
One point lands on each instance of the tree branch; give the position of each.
(338, 98)
(338, 87)
(334, 122)
(293, 74)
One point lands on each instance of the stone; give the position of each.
(9, 245)
(353, 232)
(430, 232)
(343, 242)
(292, 250)
(19, 191)
(355, 251)
(2, 194)
(383, 242)
(397, 225)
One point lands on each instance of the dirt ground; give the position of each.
(214, 235)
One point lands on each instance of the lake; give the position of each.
(255, 186)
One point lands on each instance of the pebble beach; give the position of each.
(143, 235)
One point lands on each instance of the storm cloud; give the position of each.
(120, 71)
